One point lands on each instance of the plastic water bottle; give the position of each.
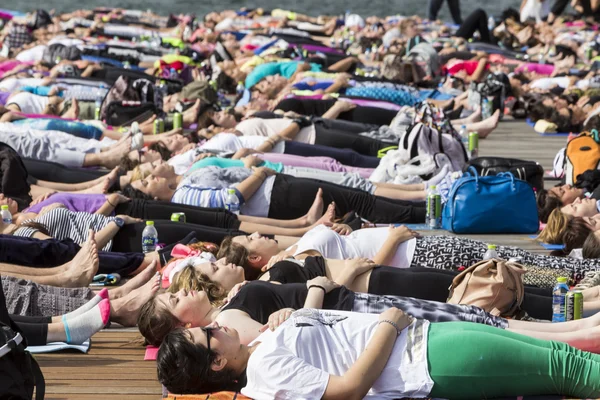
(98, 102)
(6, 216)
(173, 74)
(239, 89)
(491, 24)
(232, 203)
(486, 108)
(558, 299)
(149, 237)
(464, 137)
(491, 252)
(433, 211)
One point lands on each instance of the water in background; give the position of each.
(313, 7)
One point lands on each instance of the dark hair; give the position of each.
(563, 122)
(155, 323)
(539, 111)
(33, 225)
(162, 149)
(546, 203)
(238, 255)
(591, 247)
(592, 123)
(575, 234)
(133, 193)
(127, 164)
(185, 367)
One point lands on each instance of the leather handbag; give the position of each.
(529, 171)
(494, 285)
(490, 204)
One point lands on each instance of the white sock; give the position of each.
(103, 294)
(82, 327)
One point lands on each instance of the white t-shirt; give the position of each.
(536, 9)
(12, 84)
(29, 103)
(35, 53)
(295, 361)
(361, 243)
(268, 127)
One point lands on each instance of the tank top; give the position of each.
(294, 271)
(361, 243)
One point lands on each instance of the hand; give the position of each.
(397, 316)
(243, 153)
(263, 172)
(324, 281)
(203, 156)
(129, 220)
(359, 265)
(402, 233)
(41, 198)
(251, 161)
(342, 229)
(342, 80)
(234, 291)
(277, 318)
(344, 106)
(275, 259)
(51, 207)
(116, 198)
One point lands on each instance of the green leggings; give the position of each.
(473, 361)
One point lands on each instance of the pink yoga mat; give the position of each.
(151, 353)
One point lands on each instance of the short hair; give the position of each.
(591, 247)
(237, 254)
(546, 203)
(185, 367)
(133, 193)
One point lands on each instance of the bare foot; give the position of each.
(125, 311)
(329, 215)
(316, 210)
(475, 117)
(73, 111)
(488, 125)
(112, 158)
(134, 283)
(191, 114)
(83, 266)
(100, 188)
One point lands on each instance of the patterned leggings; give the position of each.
(432, 311)
(451, 252)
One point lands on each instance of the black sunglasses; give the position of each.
(208, 331)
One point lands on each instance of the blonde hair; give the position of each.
(137, 174)
(189, 278)
(555, 228)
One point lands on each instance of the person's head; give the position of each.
(252, 252)
(575, 234)
(13, 206)
(226, 118)
(215, 278)
(562, 119)
(555, 228)
(408, 27)
(546, 203)
(270, 86)
(164, 170)
(156, 187)
(592, 123)
(175, 143)
(161, 148)
(199, 360)
(581, 208)
(131, 193)
(566, 193)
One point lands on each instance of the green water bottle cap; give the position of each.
(4, 207)
(433, 187)
(149, 223)
(492, 247)
(562, 279)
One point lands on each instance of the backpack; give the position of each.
(421, 139)
(529, 171)
(124, 113)
(494, 285)
(57, 50)
(19, 372)
(13, 177)
(582, 153)
(129, 89)
(496, 87)
(426, 59)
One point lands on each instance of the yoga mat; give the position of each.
(58, 346)
(151, 353)
(532, 124)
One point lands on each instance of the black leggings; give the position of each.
(345, 134)
(432, 284)
(436, 5)
(160, 210)
(129, 238)
(476, 21)
(345, 156)
(54, 172)
(559, 7)
(366, 115)
(35, 253)
(35, 329)
(292, 198)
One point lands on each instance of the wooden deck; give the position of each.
(114, 367)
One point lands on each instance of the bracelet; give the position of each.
(318, 286)
(398, 330)
(111, 204)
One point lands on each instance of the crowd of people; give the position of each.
(278, 136)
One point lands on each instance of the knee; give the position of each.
(480, 13)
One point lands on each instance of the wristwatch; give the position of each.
(119, 221)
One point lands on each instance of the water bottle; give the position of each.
(433, 216)
(232, 203)
(491, 252)
(464, 136)
(558, 299)
(98, 103)
(149, 237)
(239, 89)
(6, 216)
(486, 108)
(173, 74)
(491, 24)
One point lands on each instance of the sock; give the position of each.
(82, 327)
(103, 294)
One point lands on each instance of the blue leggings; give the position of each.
(78, 129)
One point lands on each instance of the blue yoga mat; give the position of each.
(548, 246)
(532, 124)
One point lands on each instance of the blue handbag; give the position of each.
(490, 204)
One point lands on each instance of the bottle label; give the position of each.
(149, 241)
(7, 220)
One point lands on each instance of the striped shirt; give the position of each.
(65, 224)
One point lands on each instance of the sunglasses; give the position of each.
(208, 331)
